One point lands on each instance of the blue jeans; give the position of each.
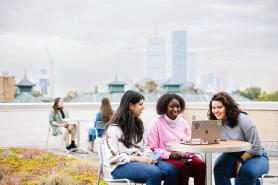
(148, 173)
(252, 169)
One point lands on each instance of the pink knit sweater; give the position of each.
(162, 131)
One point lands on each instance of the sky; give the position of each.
(92, 41)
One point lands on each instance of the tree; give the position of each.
(37, 93)
(151, 86)
(193, 89)
(251, 92)
(140, 87)
(268, 96)
(70, 96)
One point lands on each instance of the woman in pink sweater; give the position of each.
(170, 126)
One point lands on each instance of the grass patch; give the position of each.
(21, 166)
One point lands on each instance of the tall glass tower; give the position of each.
(179, 58)
(156, 60)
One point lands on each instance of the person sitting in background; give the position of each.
(170, 126)
(125, 153)
(59, 126)
(246, 166)
(102, 117)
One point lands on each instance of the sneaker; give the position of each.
(69, 147)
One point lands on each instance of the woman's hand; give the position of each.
(175, 156)
(66, 125)
(238, 166)
(144, 159)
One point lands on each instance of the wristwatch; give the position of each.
(241, 160)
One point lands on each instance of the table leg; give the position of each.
(78, 137)
(208, 158)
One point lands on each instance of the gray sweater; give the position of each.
(244, 131)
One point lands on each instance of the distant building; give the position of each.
(44, 82)
(116, 86)
(156, 60)
(24, 86)
(172, 87)
(179, 56)
(7, 87)
(221, 81)
(207, 82)
(192, 70)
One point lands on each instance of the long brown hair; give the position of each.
(55, 105)
(232, 108)
(106, 110)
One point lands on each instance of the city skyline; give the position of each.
(93, 41)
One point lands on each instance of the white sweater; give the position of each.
(116, 153)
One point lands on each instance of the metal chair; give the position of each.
(101, 166)
(49, 133)
(271, 147)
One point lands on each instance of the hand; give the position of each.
(175, 156)
(238, 166)
(188, 140)
(144, 159)
(66, 125)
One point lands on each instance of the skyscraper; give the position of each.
(192, 70)
(156, 60)
(179, 59)
(44, 82)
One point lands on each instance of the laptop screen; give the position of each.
(206, 131)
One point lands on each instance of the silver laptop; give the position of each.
(205, 132)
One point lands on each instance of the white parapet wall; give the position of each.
(26, 124)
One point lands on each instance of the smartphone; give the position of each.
(154, 156)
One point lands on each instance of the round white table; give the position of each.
(222, 147)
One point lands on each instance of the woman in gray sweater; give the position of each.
(246, 166)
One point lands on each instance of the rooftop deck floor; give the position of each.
(95, 161)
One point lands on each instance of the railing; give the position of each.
(26, 124)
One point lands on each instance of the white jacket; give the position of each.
(116, 153)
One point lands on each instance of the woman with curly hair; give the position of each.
(126, 155)
(247, 166)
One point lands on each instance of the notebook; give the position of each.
(205, 132)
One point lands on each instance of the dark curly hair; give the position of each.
(164, 100)
(131, 126)
(232, 108)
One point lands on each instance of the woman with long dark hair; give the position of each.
(126, 154)
(246, 166)
(59, 126)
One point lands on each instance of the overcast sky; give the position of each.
(91, 41)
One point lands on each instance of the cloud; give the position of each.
(92, 38)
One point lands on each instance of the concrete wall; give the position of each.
(27, 124)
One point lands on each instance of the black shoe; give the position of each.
(68, 147)
(73, 145)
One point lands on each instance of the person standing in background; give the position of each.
(59, 126)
